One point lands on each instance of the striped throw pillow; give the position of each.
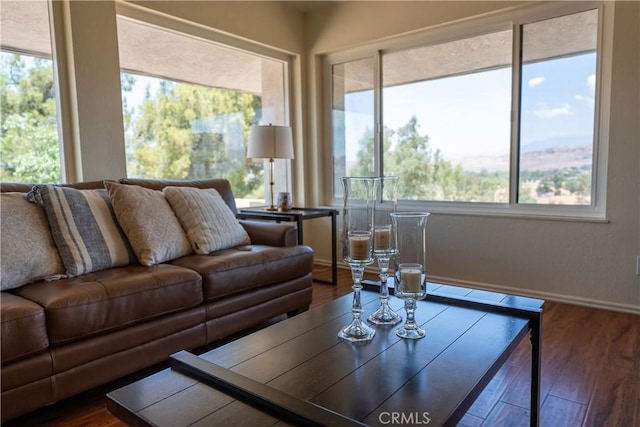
(84, 228)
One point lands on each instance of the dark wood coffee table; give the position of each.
(300, 372)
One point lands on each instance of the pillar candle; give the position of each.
(411, 280)
(382, 237)
(359, 247)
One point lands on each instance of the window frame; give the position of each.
(207, 34)
(514, 19)
(59, 69)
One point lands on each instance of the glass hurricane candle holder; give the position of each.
(410, 278)
(357, 247)
(386, 202)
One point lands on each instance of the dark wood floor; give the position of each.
(590, 374)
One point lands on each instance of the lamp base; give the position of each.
(271, 208)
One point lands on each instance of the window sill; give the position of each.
(494, 210)
(529, 212)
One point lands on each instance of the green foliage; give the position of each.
(570, 185)
(28, 128)
(424, 174)
(179, 134)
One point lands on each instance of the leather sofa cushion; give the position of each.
(243, 268)
(24, 331)
(110, 299)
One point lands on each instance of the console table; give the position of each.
(298, 215)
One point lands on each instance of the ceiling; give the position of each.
(309, 5)
(24, 28)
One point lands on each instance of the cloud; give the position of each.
(589, 100)
(591, 84)
(548, 112)
(535, 81)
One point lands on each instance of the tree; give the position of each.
(364, 157)
(423, 172)
(189, 131)
(28, 128)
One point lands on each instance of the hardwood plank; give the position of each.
(496, 387)
(616, 398)
(228, 356)
(153, 388)
(430, 390)
(240, 353)
(575, 379)
(285, 406)
(504, 414)
(318, 378)
(279, 360)
(470, 421)
(250, 417)
(560, 326)
(186, 407)
(562, 412)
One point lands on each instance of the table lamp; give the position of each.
(270, 142)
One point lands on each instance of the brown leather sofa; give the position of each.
(63, 337)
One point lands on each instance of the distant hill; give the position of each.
(557, 158)
(536, 156)
(544, 144)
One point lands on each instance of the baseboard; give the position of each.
(568, 299)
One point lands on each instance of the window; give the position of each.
(501, 119)
(28, 123)
(353, 120)
(446, 119)
(188, 104)
(557, 110)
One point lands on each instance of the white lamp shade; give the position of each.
(270, 142)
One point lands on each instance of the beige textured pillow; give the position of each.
(27, 250)
(148, 221)
(208, 221)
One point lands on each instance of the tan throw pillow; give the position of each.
(149, 222)
(208, 221)
(84, 228)
(27, 250)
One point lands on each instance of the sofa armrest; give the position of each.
(271, 233)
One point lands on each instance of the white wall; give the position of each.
(581, 262)
(87, 62)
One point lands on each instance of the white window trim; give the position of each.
(472, 26)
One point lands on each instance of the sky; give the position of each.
(469, 115)
(136, 96)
